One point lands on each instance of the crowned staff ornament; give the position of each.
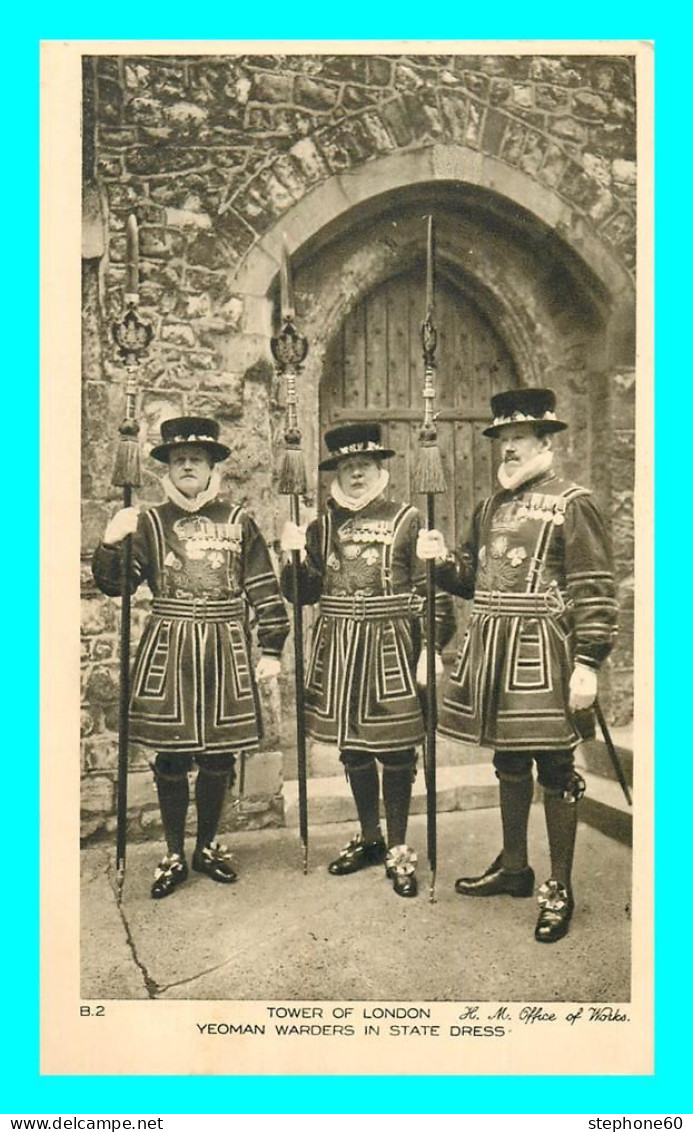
(132, 337)
(430, 480)
(289, 350)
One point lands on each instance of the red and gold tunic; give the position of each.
(538, 566)
(192, 684)
(361, 692)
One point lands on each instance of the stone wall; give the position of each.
(216, 155)
(622, 449)
(212, 149)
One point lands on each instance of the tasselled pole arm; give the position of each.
(430, 480)
(132, 336)
(289, 350)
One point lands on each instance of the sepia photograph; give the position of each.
(359, 369)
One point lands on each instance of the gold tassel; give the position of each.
(429, 477)
(126, 469)
(292, 473)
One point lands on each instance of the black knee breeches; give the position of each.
(555, 770)
(177, 764)
(390, 760)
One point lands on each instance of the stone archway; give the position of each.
(565, 271)
(560, 298)
(326, 205)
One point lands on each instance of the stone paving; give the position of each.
(279, 935)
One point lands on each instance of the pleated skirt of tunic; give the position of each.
(360, 689)
(509, 685)
(192, 687)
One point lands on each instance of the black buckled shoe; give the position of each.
(215, 862)
(556, 906)
(358, 854)
(497, 881)
(171, 871)
(400, 864)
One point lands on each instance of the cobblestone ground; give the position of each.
(280, 935)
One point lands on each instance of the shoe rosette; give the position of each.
(215, 860)
(217, 854)
(401, 861)
(169, 867)
(354, 846)
(553, 897)
(171, 871)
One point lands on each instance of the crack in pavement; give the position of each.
(151, 986)
(194, 978)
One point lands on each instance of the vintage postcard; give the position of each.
(347, 388)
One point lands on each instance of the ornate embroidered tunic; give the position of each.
(360, 688)
(192, 685)
(538, 566)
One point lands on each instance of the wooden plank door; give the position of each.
(374, 369)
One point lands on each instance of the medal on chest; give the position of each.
(364, 538)
(544, 508)
(366, 531)
(205, 541)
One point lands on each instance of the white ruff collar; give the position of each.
(210, 492)
(351, 504)
(534, 467)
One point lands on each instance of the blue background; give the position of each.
(25, 1090)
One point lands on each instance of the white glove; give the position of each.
(430, 544)
(583, 688)
(266, 668)
(123, 523)
(422, 668)
(293, 537)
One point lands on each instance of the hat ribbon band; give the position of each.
(518, 418)
(369, 446)
(192, 438)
